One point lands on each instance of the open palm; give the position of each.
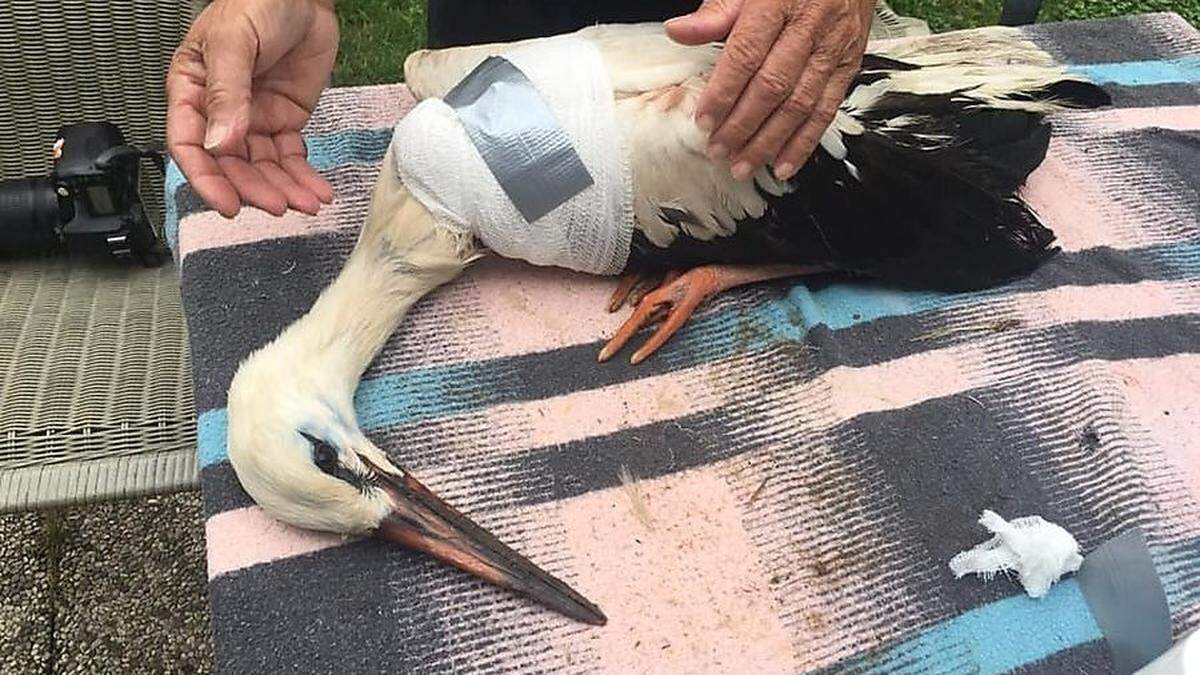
(242, 85)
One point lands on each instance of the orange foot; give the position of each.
(679, 296)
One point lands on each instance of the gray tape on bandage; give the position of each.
(1126, 597)
(518, 137)
(526, 156)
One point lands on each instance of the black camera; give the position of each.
(89, 203)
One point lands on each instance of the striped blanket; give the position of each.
(804, 458)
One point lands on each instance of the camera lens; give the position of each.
(28, 216)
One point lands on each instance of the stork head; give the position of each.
(298, 451)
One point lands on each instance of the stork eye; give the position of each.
(324, 456)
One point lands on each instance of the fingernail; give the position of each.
(785, 171)
(741, 170)
(705, 122)
(716, 151)
(215, 135)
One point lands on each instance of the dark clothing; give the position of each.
(453, 23)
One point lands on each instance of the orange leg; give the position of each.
(680, 295)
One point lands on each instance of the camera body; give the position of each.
(89, 204)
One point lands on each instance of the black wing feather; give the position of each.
(925, 214)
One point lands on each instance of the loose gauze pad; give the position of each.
(1039, 551)
(525, 154)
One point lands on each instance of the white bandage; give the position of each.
(570, 122)
(1040, 552)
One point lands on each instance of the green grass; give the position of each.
(378, 34)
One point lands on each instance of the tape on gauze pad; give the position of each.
(525, 155)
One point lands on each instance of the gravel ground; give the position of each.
(24, 595)
(109, 588)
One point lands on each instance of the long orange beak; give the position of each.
(423, 522)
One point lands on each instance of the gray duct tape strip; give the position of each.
(1126, 597)
(518, 137)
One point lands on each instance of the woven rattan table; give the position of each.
(95, 379)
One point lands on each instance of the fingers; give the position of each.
(710, 23)
(749, 43)
(207, 179)
(293, 157)
(230, 48)
(252, 185)
(773, 93)
(185, 134)
(265, 158)
(805, 140)
(791, 115)
(777, 85)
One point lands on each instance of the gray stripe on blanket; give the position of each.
(1146, 37)
(271, 618)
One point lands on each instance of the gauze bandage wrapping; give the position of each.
(525, 155)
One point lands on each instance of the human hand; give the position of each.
(783, 73)
(241, 86)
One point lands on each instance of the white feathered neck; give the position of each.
(303, 381)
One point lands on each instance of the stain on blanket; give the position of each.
(691, 595)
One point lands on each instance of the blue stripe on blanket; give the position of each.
(998, 637)
(1142, 73)
(427, 393)
(1017, 631)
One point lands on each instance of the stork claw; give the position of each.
(679, 296)
(634, 286)
(676, 300)
(624, 290)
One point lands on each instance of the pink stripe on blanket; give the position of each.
(899, 383)
(687, 593)
(532, 309)
(1179, 117)
(248, 536)
(1116, 302)
(208, 229)
(597, 412)
(373, 107)
(1063, 195)
(1163, 396)
(1072, 304)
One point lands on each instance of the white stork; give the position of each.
(915, 183)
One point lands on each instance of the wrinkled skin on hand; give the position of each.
(785, 69)
(241, 86)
